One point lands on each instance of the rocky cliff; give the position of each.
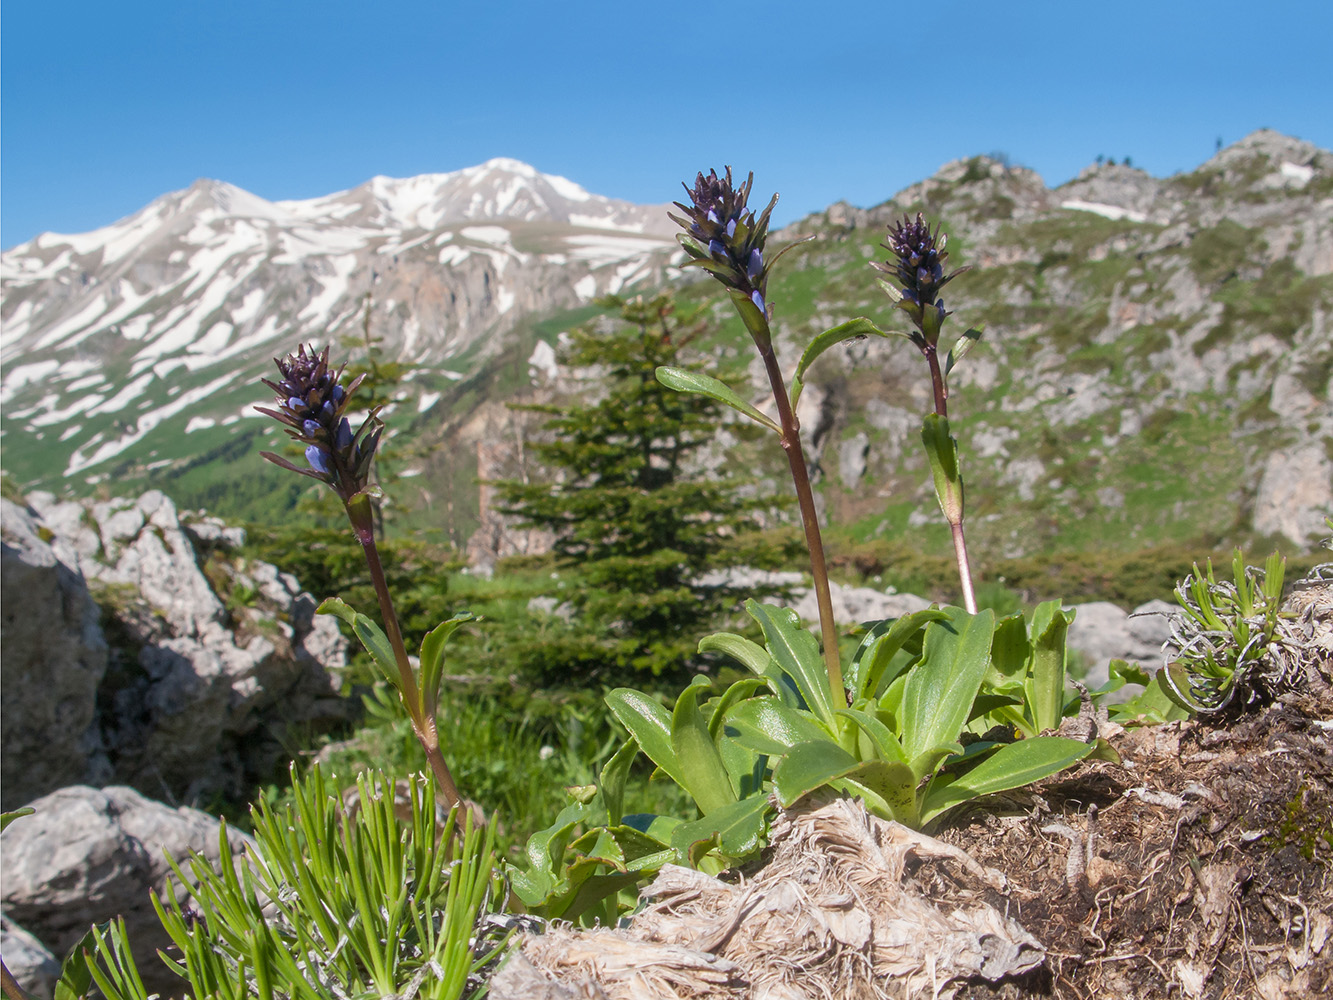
(138, 650)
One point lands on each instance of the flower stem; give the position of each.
(791, 444)
(955, 526)
(363, 526)
(12, 990)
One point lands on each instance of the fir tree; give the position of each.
(635, 530)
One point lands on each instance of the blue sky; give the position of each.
(105, 106)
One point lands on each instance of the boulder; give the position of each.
(28, 960)
(52, 659)
(89, 854)
(854, 605)
(203, 673)
(1103, 632)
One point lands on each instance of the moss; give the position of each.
(1309, 829)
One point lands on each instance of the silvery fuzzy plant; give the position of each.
(1230, 638)
(890, 729)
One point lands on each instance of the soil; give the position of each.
(1210, 868)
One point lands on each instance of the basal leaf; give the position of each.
(879, 647)
(749, 654)
(1046, 685)
(940, 689)
(650, 725)
(1011, 766)
(796, 653)
(812, 765)
(765, 725)
(737, 828)
(704, 775)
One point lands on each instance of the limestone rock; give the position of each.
(91, 853)
(28, 960)
(193, 696)
(1103, 632)
(1295, 493)
(854, 605)
(52, 658)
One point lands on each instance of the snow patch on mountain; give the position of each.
(201, 288)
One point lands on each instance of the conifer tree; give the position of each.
(635, 530)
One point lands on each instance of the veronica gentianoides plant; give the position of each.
(914, 686)
(311, 405)
(913, 278)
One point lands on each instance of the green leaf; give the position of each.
(859, 327)
(683, 381)
(1046, 686)
(737, 828)
(745, 652)
(1128, 673)
(9, 817)
(879, 647)
(432, 660)
(942, 450)
(75, 978)
(1010, 651)
(697, 757)
(650, 725)
(1011, 766)
(937, 699)
(960, 348)
(738, 692)
(810, 766)
(886, 744)
(614, 775)
(796, 653)
(767, 726)
(755, 321)
(375, 641)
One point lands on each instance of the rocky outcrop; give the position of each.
(28, 960)
(136, 653)
(1103, 632)
(88, 854)
(54, 657)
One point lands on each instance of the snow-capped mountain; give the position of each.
(165, 319)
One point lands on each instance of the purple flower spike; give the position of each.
(916, 267)
(731, 250)
(309, 403)
(319, 460)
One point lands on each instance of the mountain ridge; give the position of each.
(1215, 282)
